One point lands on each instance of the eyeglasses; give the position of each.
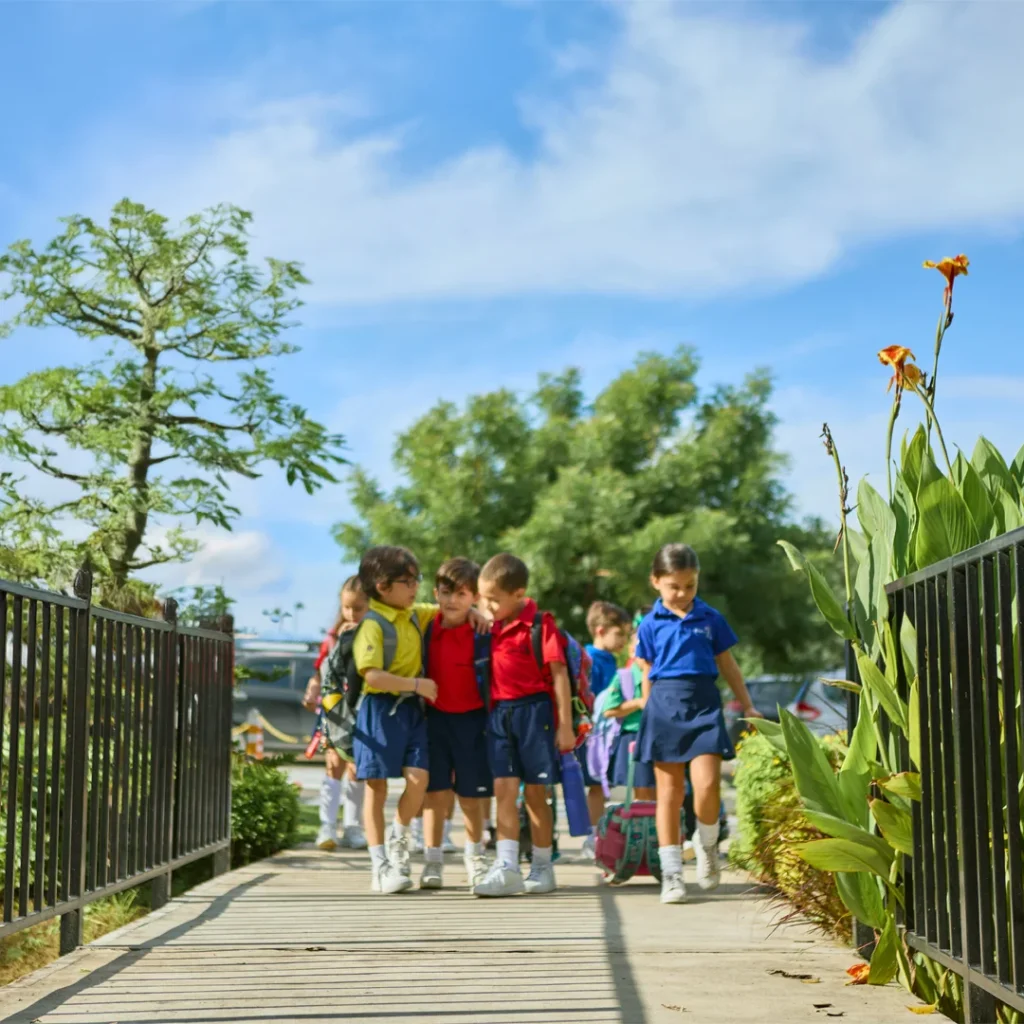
(409, 581)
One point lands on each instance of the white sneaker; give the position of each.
(673, 889)
(709, 869)
(476, 869)
(416, 835)
(541, 879)
(398, 853)
(588, 851)
(500, 881)
(389, 880)
(353, 838)
(433, 875)
(447, 845)
(327, 838)
(688, 854)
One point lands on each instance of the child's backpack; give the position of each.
(481, 661)
(604, 737)
(579, 664)
(627, 837)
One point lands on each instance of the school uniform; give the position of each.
(391, 728)
(457, 720)
(521, 724)
(683, 716)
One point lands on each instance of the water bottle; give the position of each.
(575, 795)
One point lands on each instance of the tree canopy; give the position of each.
(586, 494)
(177, 401)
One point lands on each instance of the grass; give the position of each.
(308, 826)
(35, 947)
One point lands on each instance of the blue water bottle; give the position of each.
(575, 795)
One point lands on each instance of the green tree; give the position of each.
(178, 402)
(587, 494)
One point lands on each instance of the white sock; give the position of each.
(671, 858)
(708, 834)
(352, 795)
(593, 831)
(447, 831)
(508, 853)
(433, 855)
(377, 856)
(474, 849)
(330, 797)
(541, 856)
(398, 829)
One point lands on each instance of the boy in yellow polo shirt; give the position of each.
(390, 736)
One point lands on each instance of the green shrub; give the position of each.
(771, 823)
(264, 809)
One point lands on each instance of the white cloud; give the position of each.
(714, 153)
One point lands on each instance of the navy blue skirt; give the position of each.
(682, 720)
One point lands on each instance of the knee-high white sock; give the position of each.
(352, 795)
(330, 797)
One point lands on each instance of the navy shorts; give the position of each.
(682, 720)
(390, 734)
(643, 773)
(458, 748)
(521, 740)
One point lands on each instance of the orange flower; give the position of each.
(905, 374)
(951, 267)
(858, 974)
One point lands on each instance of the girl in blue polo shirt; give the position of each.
(683, 645)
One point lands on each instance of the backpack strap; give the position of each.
(482, 665)
(389, 635)
(537, 633)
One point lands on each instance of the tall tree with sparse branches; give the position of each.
(179, 400)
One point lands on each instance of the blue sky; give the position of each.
(483, 191)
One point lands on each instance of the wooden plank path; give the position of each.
(299, 939)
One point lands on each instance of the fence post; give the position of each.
(160, 887)
(78, 713)
(222, 858)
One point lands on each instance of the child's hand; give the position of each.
(565, 737)
(479, 621)
(752, 712)
(347, 627)
(350, 770)
(312, 694)
(427, 688)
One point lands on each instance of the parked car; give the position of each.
(768, 693)
(821, 706)
(273, 681)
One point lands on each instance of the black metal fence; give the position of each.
(965, 882)
(115, 741)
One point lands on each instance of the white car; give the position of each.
(821, 706)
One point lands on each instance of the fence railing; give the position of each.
(965, 882)
(115, 740)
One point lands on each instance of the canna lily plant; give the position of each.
(930, 512)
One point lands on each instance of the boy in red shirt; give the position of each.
(530, 722)
(456, 723)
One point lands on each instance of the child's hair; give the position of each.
(605, 615)
(385, 564)
(457, 573)
(674, 558)
(508, 572)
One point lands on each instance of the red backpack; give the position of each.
(578, 663)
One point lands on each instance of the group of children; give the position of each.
(471, 698)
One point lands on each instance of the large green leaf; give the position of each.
(840, 829)
(842, 855)
(992, 468)
(896, 825)
(904, 784)
(945, 526)
(861, 896)
(772, 732)
(874, 514)
(855, 773)
(904, 507)
(858, 544)
(908, 645)
(853, 791)
(1017, 469)
(885, 959)
(1009, 514)
(883, 690)
(975, 494)
(914, 723)
(912, 456)
(827, 602)
(815, 780)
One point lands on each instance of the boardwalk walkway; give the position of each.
(298, 938)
